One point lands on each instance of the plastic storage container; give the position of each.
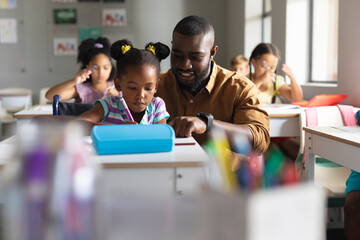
(129, 138)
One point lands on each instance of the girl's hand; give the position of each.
(82, 75)
(287, 70)
(111, 91)
(130, 122)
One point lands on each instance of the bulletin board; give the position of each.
(12, 32)
(71, 21)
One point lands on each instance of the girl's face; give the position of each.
(138, 86)
(270, 59)
(102, 69)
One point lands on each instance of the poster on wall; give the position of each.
(65, 16)
(8, 30)
(64, 1)
(89, 32)
(65, 46)
(7, 4)
(114, 17)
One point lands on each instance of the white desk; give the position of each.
(24, 116)
(337, 144)
(179, 171)
(285, 121)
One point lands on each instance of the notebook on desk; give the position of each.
(322, 100)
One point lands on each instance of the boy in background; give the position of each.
(240, 64)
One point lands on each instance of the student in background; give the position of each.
(137, 78)
(94, 80)
(352, 203)
(264, 58)
(240, 64)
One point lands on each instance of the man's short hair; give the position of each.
(193, 25)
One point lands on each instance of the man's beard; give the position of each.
(198, 79)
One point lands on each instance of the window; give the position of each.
(257, 23)
(312, 39)
(297, 38)
(325, 40)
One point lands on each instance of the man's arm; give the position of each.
(185, 126)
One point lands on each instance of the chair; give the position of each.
(13, 100)
(42, 99)
(69, 109)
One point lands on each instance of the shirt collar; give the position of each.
(210, 85)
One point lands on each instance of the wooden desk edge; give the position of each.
(329, 136)
(15, 94)
(29, 116)
(279, 115)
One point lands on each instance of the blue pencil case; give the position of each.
(129, 138)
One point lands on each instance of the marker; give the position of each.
(92, 68)
(267, 68)
(126, 107)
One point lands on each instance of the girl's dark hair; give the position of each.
(261, 49)
(126, 55)
(90, 48)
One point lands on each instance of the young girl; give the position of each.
(137, 78)
(265, 59)
(94, 80)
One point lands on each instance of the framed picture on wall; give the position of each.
(8, 30)
(7, 4)
(89, 32)
(65, 46)
(114, 17)
(65, 16)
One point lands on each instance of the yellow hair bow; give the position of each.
(151, 48)
(125, 48)
(277, 92)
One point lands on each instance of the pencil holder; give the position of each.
(130, 138)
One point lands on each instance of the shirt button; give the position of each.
(191, 101)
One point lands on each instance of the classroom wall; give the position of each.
(349, 51)
(148, 21)
(32, 70)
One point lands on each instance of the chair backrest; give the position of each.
(70, 109)
(16, 99)
(42, 99)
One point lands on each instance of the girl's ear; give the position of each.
(117, 83)
(157, 85)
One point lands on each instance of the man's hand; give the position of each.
(185, 126)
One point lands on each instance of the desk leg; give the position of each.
(309, 158)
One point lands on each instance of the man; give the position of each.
(196, 89)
